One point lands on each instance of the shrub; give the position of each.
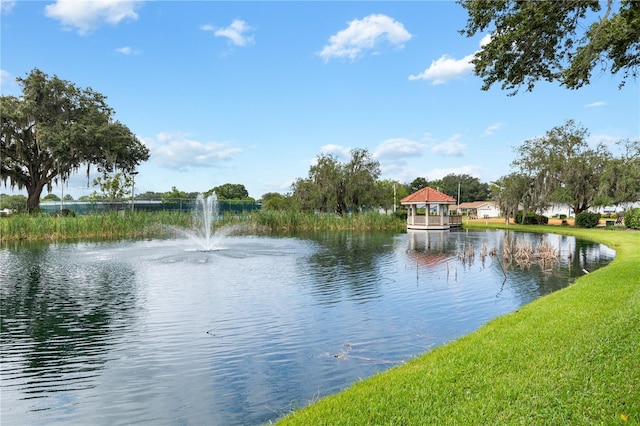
(531, 219)
(632, 218)
(587, 220)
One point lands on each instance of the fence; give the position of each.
(178, 204)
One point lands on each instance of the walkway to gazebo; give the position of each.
(436, 210)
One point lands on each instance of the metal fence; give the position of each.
(178, 204)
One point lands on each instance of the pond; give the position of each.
(156, 332)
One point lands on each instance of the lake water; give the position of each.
(156, 332)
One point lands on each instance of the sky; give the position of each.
(252, 92)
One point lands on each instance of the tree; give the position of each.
(416, 185)
(277, 201)
(173, 195)
(16, 203)
(514, 191)
(114, 187)
(562, 167)
(229, 191)
(558, 40)
(54, 129)
(389, 192)
(337, 187)
(620, 180)
(471, 189)
(51, 197)
(360, 175)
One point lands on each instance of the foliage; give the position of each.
(531, 219)
(416, 185)
(471, 189)
(172, 195)
(553, 41)
(389, 193)
(15, 203)
(53, 129)
(229, 191)
(587, 220)
(114, 187)
(338, 187)
(620, 179)
(589, 332)
(277, 201)
(51, 197)
(515, 190)
(632, 218)
(295, 220)
(562, 167)
(109, 225)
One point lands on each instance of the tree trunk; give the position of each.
(33, 197)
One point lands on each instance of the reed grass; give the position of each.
(106, 225)
(156, 224)
(299, 221)
(567, 358)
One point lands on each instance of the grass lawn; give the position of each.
(572, 357)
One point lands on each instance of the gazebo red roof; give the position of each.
(428, 195)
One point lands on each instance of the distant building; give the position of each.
(477, 209)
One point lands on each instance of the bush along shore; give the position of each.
(572, 357)
(127, 224)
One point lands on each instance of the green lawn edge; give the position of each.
(572, 357)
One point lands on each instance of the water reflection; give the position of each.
(347, 265)
(154, 332)
(58, 321)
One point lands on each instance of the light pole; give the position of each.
(133, 185)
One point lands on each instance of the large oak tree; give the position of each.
(559, 40)
(54, 129)
(563, 168)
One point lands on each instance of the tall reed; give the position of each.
(107, 225)
(155, 224)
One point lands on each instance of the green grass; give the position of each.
(299, 221)
(107, 225)
(154, 224)
(572, 357)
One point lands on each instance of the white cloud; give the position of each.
(343, 153)
(594, 140)
(176, 151)
(445, 68)
(6, 6)
(86, 16)
(5, 78)
(595, 104)
(470, 170)
(398, 149)
(127, 50)
(365, 34)
(450, 148)
(8, 84)
(236, 33)
(492, 129)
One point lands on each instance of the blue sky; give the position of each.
(252, 92)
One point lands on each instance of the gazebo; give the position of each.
(436, 210)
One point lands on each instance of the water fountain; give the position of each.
(205, 214)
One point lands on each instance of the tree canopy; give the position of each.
(560, 40)
(54, 129)
(333, 186)
(229, 191)
(563, 167)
